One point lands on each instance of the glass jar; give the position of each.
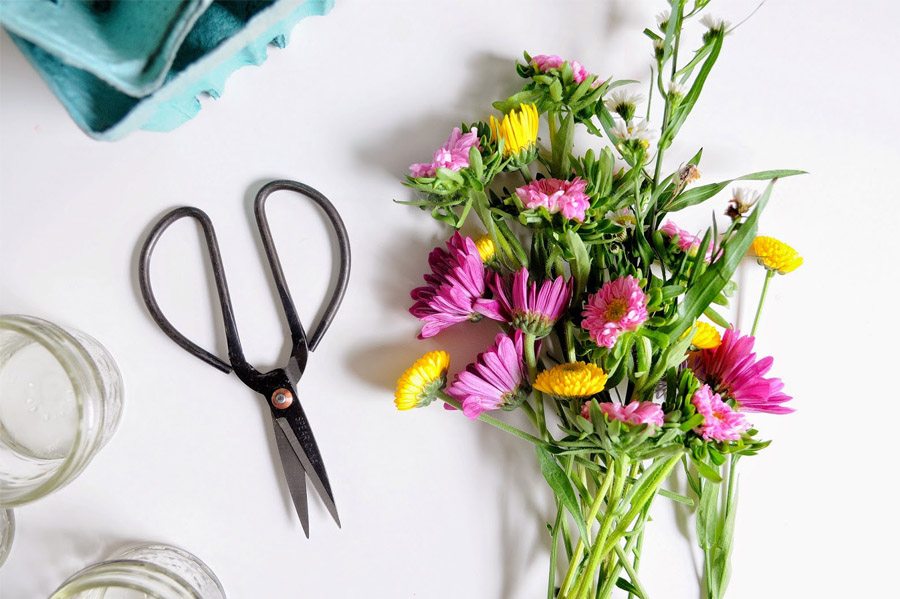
(7, 532)
(60, 401)
(158, 571)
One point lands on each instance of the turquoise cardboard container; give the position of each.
(91, 79)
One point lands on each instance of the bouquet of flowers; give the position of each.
(612, 339)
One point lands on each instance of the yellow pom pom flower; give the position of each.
(518, 130)
(706, 336)
(776, 255)
(485, 247)
(421, 383)
(571, 380)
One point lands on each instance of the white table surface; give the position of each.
(434, 506)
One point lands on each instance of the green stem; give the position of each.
(632, 573)
(599, 549)
(659, 149)
(526, 174)
(531, 363)
(507, 428)
(762, 299)
(554, 541)
(610, 582)
(592, 515)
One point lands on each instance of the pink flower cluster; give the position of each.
(721, 422)
(453, 155)
(495, 380)
(556, 195)
(634, 413)
(545, 62)
(619, 306)
(455, 288)
(687, 241)
(733, 370)
(529, 306)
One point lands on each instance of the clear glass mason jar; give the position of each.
(157, 571)
(60, 402)
(7, 532)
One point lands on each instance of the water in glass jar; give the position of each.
(38, 412)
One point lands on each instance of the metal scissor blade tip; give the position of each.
(295, 476)
(316, 472)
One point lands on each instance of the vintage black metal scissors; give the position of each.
(296, 445)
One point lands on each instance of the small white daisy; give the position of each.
(662, 19)
(623, 217)
(623, 100)
(744, 196)
(714, 23)
(639, 130)
(676, 89)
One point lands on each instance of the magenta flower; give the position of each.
(530, 308)
(495, 381)
(455, 288)
(453, 155)
(732, 370)
(619, 306)
(545, 62)
(634, 413)
(557, 195)
(687, 241)
(721, 422)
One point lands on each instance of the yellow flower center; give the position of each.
(776, 255)
(486, 249)
(422, 381)
(572, 380)
(518, 130)
(616, 309)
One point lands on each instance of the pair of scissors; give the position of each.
(300, 457)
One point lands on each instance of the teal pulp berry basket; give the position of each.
(121, 65)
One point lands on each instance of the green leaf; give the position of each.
(711, 283)
(627, 586)
(476, 163)
(561, 147)
(717, 318)
(707, 472)
(562, 487)
(690, 98)
(581, 262)
(700, 194)
(683, 499)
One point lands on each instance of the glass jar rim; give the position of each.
(73, 357)
(127, 569)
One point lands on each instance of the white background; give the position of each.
(434, 506)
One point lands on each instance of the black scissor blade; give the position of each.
(298, 432)
(295, 475)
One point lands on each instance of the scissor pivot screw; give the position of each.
(282, 399)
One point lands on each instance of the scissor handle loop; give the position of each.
(235, 352)
(259, 207)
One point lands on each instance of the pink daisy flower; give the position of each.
(634, 413)
(455, 288)
(619, 306)
(546, 62)
(530, 307)
(453, 155)
(732, 370)
(721, 422)
(687, 241)
(495, 381)
(557, 195)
